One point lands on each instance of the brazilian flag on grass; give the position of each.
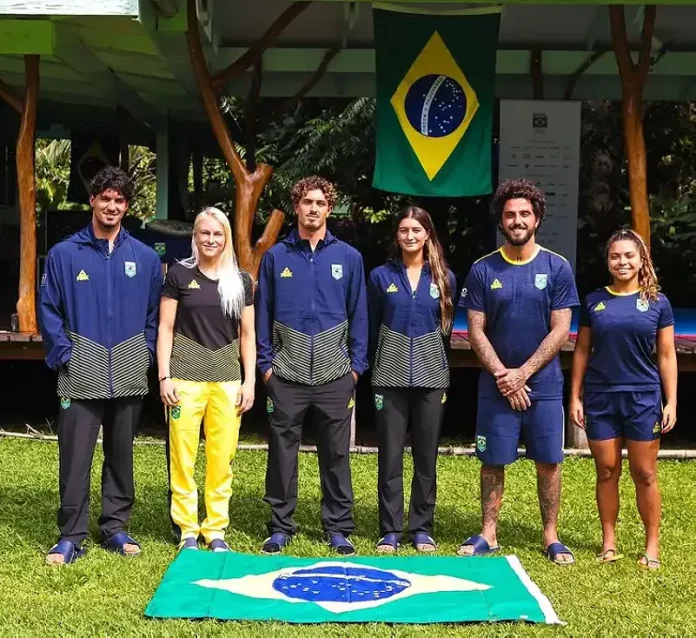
(414, 589)
(435, 97)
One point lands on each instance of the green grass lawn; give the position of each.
(104, 594)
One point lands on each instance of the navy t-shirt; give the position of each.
(518, 298)
(624, 333)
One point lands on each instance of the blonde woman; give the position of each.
(621, 326)
(206, 322)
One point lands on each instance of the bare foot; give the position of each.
(465, 550)
(649, 563)
(55, 559)
(562, 558)
(385, 549)
(425, 547)
(609, 555)
(468, 550)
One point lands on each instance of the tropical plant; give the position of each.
(142, 169)
(52, 174)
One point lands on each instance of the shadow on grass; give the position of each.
(31, 515)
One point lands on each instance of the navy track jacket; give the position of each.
(311, 311)
(99, 315)
(407, 346)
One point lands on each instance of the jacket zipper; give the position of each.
(414, 295)
(109, 320)
(314, 319)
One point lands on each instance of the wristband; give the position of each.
(163, 378)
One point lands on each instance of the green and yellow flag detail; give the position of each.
(435, 97)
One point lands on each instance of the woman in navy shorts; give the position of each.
(625, 356)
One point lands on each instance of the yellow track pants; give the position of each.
(214, 403)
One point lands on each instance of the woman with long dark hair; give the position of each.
(624, 357)
(411, 304)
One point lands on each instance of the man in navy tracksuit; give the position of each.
(99, 304)
(311, 314)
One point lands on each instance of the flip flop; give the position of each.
(68, 550)
(340, 544)
(188, 543)
(218, 545)
(609, 556)
(117, 542)
(423, 542)
(650, 563)
(554, 549)
(480, 545)
(388, 544)
(275, 543)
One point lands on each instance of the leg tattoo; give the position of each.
(492, 485)
(549, 491)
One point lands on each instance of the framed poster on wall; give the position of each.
(540, 141)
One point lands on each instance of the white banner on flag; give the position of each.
(540, 141)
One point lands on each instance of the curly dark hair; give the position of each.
(112, 178)
(518, 189)
(311, 183)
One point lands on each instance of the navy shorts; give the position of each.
(499, 429)
(636, 416)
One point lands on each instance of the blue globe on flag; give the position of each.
(435, 105)
(340, 583)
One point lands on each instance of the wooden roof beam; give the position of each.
(8, 94)
(166, 8)
(599, 21)
(81, 59)
(166, 34)
(255, 52)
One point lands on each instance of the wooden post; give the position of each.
(26, 183)
(633, 78)
(26, 304)
(591, 59)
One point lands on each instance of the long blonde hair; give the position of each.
(230, 284)
(647, 279)
(434, 255)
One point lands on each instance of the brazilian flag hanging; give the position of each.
(435, 97)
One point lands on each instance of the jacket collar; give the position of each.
(397, 263)
(294, 239)
(87, 237)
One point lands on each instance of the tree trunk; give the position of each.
(633, 78)
(637, 163)
(26, 304)
(249, 185)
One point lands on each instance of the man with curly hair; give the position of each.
(311, 326)
(100, 296)
(519, 300)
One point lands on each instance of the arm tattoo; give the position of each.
(492, 484)
(549, 491)
(552, 344)
(480, 343)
